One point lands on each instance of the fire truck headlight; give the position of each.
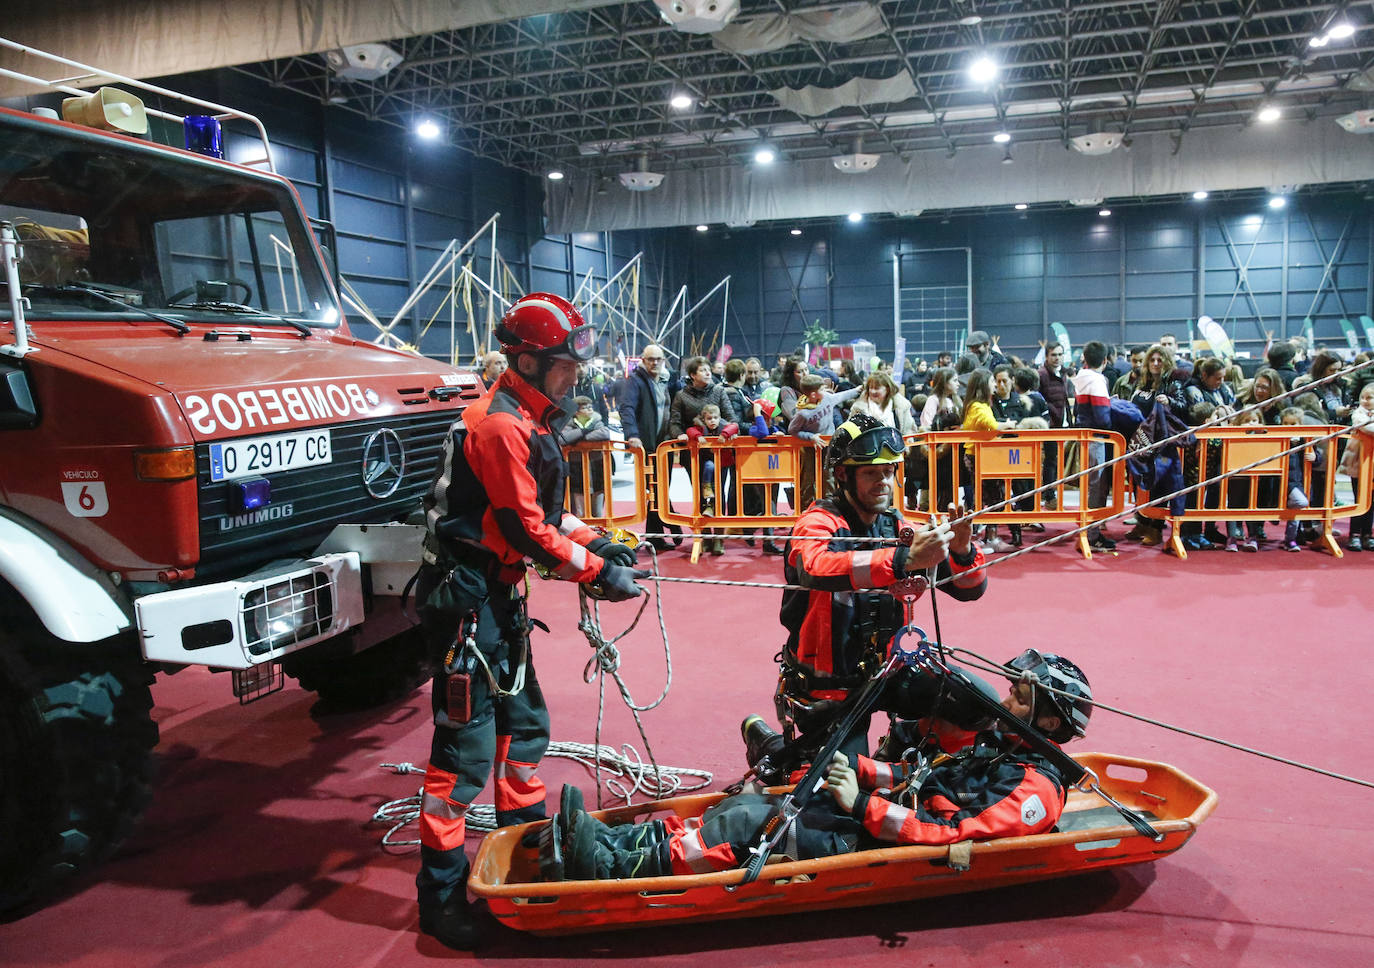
(286, 612)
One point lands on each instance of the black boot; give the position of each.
(454, 924)
(1016, 535)
(770, 547)
(760, 739)
(645, 854)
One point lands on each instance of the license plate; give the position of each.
(253, 456)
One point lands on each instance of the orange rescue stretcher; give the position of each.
(1089, 836)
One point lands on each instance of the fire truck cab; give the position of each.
(201, 464)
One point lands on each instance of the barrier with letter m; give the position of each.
(738, 482)
(985, 469)
(1266, 491)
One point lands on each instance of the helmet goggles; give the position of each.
(879, 445)
(580, 344)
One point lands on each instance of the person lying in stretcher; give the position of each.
(994, 786)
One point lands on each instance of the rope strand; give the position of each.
(987, 665)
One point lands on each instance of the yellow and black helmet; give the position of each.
(863, 439)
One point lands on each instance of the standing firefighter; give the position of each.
(496, 501)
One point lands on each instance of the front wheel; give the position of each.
(76, 741)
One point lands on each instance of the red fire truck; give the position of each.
(199, 464)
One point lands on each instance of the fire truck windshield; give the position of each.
(115, 229)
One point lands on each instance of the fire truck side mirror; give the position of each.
(18, 409)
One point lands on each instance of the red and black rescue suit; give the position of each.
(839, 631)
(497, 499)
(996, 787)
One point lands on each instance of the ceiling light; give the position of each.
(1021, 206)
(1007, 159)
(427, 129)
(681, 101)
(555, 175)
(795, 232)
(1103, 212)
(972, 20)
(702, 228)
(1268, 114)
(765, 156)
(1001, 137)
(1199, 195)
(1319, 41)
(983, 70)
(856, 216)
(1278, 201)
(1340, 31)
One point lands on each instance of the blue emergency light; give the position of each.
(203, 135)
(250, 494)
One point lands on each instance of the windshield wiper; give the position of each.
(241, 310)
(181, 328)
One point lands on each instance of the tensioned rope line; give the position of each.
(628, 764)
(988, 665)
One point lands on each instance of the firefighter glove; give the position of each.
(612, 551)
(618, 582)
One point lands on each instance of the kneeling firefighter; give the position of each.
(840, 629)
(496, 501)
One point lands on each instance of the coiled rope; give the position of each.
(627, 772)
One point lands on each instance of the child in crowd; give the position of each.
(1238, 495)
(814, 419)
(1361, 438)
(1310, 458)
(586, 426)
(1198, 414)
(708, 424)
(978, 416)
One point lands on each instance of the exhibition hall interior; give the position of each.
(927, 444)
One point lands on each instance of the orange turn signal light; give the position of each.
(173, 464)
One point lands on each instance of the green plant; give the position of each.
(818, 335)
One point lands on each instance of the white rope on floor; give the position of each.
(626, 770)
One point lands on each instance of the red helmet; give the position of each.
(548, 325)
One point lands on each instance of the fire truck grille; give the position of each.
(307, 502)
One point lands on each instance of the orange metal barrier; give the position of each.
(1001, 465)
(590, 493)
(749, 474)
(755, 479)
(1261, 492)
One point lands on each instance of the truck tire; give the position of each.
(387, 671)
(76, 742)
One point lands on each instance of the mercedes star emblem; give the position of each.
(384, 463)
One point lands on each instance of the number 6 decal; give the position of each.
(85, 499)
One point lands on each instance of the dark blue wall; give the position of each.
(1127, 278)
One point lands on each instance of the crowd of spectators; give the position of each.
(981, 388)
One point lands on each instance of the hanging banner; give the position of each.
(1352, 338)
(898, 359)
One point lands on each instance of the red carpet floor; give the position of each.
(258, 851)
